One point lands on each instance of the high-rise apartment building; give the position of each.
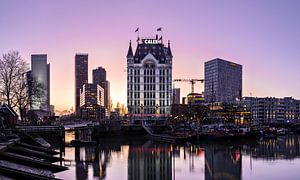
(149, 78)
(99, 77)
(223, 81)
(40, 71)
(81, 77)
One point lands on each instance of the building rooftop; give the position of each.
(81, 54)
(152, 46)
(223, 60)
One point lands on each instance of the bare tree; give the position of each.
(17, 90)
(12, 67)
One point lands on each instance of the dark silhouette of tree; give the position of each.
(17, 89)
(12, 67)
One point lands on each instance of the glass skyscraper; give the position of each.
(223, 81)
(40, 71)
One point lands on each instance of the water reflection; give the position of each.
(136, 158)
(91, 156)
(283, 147)
(150, 161)
(222, 163)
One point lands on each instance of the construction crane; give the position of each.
(192, 81)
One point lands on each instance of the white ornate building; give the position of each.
(149, 79)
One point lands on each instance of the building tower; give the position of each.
(99, 77)
(40, 71)
(81, 77)
(223, 81)
(149, 79)
(92, 102)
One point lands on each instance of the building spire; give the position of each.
(129, 53)
(169, 48)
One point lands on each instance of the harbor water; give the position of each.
(136, 157)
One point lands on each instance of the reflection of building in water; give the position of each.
(81, 166)
(100, 163)
(83, 157)
(221, 163)
(284, 147)
(90, 155)
(149, 163)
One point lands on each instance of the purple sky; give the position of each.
(261, 35)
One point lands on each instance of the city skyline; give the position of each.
(260, 37)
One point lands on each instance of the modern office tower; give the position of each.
(223, 81)
(40, 72)
(99, 77)
(272, 110)
(176, 96)
(92, 102)
(81, 77)
(149, 79)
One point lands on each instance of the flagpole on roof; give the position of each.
(160, 29)
(138, 34)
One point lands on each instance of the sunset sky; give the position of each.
(262, 35)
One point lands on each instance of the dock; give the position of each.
(23, 160)
(163, 137)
